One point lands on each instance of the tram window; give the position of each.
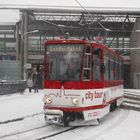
(106, 63)
(117, 70)
(121, 71)
(114, 70)
(87, 63)
(63, 62)
(108, 69)
(111, 70)
(88, 49)
(98, 52)
(87, 73)
(96, 64)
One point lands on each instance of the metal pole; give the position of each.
(25, 42)
(17, 41)
(22, 45)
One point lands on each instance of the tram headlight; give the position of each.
(75, 101)
(47, 100)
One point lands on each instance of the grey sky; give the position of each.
(13, 15)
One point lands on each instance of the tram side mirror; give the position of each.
(102, 68)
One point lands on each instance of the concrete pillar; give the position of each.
(24, 42)
(25, 38)
(22, 45)
(17, 42)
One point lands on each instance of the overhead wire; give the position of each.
(106, 29)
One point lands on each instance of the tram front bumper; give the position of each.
(53, 116)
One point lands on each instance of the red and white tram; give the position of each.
(82, 81)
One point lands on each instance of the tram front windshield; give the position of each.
(63, 62)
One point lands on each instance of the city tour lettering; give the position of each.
(93, 95)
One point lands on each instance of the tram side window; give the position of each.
(120, 71)
(119, 76)
(111, 69)
(114, 69)
(117, 70)
(87, 64)
(96, 64)
(107, 69)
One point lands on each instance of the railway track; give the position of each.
(31, 127)
(43, 131)
(58, 133)
(21, 125)
(18, 133)
(38, 133)
(21, 118)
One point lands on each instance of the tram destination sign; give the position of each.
(64, 48)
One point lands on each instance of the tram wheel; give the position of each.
(66, 119)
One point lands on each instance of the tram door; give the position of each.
(87, 64)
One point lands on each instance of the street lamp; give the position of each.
(34, 31)
(24, 62)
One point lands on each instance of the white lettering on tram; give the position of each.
(92, 95)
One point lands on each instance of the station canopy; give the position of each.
(78, 20)
(93, 21)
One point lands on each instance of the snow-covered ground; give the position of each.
(17, 105)
(21, 117)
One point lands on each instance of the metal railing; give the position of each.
(10, 87)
